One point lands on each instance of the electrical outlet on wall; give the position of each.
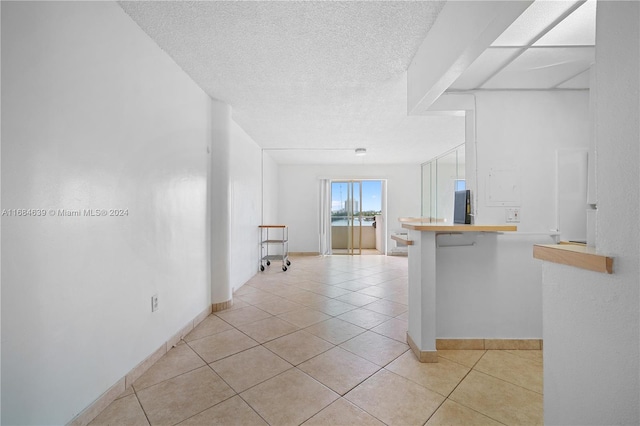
(512, 215)
(154, 303)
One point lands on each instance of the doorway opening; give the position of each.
(357, 226)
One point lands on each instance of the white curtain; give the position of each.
(325, 217)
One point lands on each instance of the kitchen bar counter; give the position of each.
(447, 228)
(421, 335)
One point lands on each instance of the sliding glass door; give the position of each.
(346, 217)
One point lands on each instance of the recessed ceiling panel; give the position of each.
(532, 22)
(577, 29)
(543, 68)
(484, 67)
(580, 81)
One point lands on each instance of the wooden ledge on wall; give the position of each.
(577, 255)
(401, 238)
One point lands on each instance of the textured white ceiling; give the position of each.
(308, 75)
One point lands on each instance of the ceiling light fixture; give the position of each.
(361, 151)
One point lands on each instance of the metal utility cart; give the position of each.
(274, 235)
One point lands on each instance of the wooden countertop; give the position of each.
(445, 227)
(578, 255)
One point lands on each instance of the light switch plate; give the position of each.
(512, 215)
(154, 303)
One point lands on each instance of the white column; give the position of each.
(422, 295)
(219, 201)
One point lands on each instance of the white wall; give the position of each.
(245, 210)
(299, 197)
(521, 131)
(94, 116)
(591, 320)
(270, 189)
(491, 289)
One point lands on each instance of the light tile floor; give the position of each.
(324, 344)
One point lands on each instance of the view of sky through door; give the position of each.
(341, 202)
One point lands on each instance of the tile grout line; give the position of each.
(135, 392)
(446, 397)
(501, 379)
(469, 372)
(253, 409)
(506, 381)
(322, 384)
(465, 376)
(214, 372)
(403, 352)
(266, 348)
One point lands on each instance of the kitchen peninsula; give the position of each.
(425, 239)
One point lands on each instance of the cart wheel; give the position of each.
(262, 267)
(288, 263)
(284, 268)
(268, 263)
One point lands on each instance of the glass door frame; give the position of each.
(351, 217)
